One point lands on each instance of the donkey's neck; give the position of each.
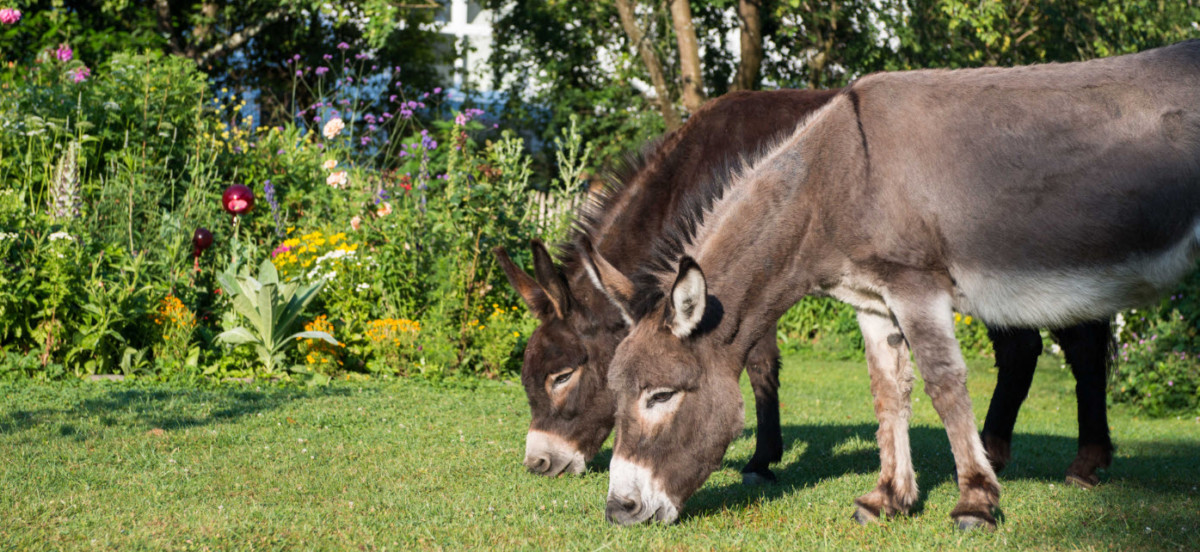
(762, 247)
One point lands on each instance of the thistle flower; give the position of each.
(65, 198)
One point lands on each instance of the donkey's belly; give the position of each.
(1063, 296)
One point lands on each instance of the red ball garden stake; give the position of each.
(201, 240)
(238, 199)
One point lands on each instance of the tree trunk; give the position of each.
(689, 55)
(653, 64)
(750, 23)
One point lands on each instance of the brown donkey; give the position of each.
(1035, 196)
(566, 360)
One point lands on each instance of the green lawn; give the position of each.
(405, 465)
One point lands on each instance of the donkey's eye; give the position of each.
(659, 398)
(563, 378)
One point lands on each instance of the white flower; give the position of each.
(362, 287)
(356, 222)
(337, 179)
(8, 236)
(333, 128)
(60, 235)
(329, 164)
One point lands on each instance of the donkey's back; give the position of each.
(1053, 193)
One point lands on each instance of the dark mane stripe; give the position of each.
(655, 201)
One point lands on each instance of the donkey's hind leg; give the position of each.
(1088, 348)
(922, 306)
(1017, 351)
(891, 386)
(763, 368)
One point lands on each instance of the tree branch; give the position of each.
(750, 23)
(240, 38)
(162, 10)
(689, 55)
(653, 65)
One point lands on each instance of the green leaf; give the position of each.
(238, 336)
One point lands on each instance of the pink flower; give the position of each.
(64, 53)
(80, 75)
(8, 16)
(337, 179)
(333, 128)
(356, 222)
(329, 164)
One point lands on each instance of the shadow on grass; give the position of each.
(833, 450)
(150, 409)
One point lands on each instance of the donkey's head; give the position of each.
(565, 367)
(678, 401)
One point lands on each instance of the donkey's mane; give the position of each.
(680, 230)
(601, 205)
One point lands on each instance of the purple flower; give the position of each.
(365, 140)
(1170, 383)
(269, 192)
(63, 52)
(280, 152)
(343, 46)
(322, 70)
(437, 90)
(8, 16)
(299, 73)
(296, 57)
(392, 98)
(327, 57)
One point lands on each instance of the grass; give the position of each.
(404, 465)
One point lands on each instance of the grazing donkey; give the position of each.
(567, 357)
(566, 361)
(1045, 195)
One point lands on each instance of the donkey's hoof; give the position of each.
(864, 516)
(968, 522)
(751, 479)
(1083, 481)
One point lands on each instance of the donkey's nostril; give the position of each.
(622, 510)
(537, 464)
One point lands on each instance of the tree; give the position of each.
(240, 43)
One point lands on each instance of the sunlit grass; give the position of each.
(405, 465)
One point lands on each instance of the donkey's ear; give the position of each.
(529, 290)
(688, 297)
(550, 278)
(616, 286)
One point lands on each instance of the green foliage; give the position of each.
(1158, 354)
(272, 308)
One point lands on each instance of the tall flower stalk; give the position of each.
(65, 198)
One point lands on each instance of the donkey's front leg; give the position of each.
(891, 385)
(762, 366)
(923, 309)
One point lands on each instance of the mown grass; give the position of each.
(405, 465)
